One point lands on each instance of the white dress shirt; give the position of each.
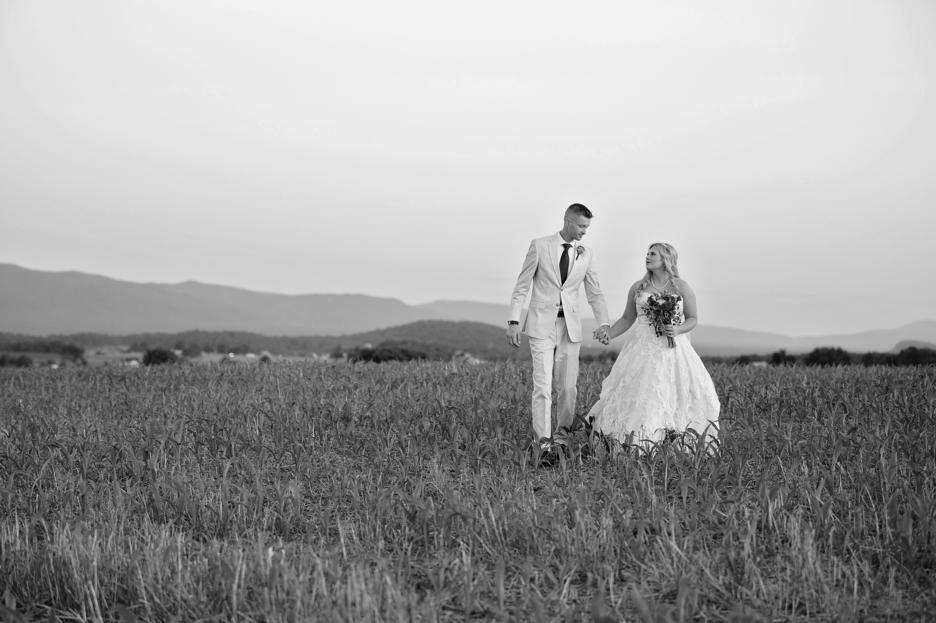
(571, 253)
(574, 244)
(572, 256)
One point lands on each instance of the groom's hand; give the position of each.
(601, 334)
(513, 335)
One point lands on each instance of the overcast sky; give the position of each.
(413, 150)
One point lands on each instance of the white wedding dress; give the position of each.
(653, 388)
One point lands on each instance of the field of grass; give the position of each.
(407, 492)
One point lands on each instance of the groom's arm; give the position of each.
(518, 298)
(519, 295)
(595, 296)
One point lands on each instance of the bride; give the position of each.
(654, 388)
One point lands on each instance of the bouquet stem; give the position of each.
(663, 310)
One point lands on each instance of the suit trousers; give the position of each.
(555, 359)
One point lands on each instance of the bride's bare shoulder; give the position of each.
(682, 284)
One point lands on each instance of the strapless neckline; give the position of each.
(642, 317)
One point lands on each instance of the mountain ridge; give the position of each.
(71, 302)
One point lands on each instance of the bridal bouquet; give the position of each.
(662, 308)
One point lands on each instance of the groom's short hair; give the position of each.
(578, 208)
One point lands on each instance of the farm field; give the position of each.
(407, 492)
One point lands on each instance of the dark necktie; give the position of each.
(564, 262)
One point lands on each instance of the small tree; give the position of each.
(827, 356)
(878, 359)
(159, 356)
(781, 358)
(913, 356)
(386, 351)
(15, 361)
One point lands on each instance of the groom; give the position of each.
(556, 267)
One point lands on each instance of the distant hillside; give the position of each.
(489, 313)
(913, 343)
(43, 303)
(723, 342)
(709, 339)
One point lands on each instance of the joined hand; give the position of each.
(601, 334)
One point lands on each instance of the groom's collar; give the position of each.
(560, 240)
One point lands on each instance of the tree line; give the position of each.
(835, 356)
(485, 341)
(15, 351)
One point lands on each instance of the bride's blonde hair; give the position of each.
(670, 264)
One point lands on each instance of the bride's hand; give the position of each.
(670, 330)
(601, 334)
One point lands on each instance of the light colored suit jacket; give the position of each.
(541, 273)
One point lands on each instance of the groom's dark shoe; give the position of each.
(549, 458)
(547, 455)
(579, 423)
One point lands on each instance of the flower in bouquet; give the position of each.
(663, 308)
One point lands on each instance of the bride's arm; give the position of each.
(626, 321)
(689, 309)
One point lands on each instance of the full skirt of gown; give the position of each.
(653, 389)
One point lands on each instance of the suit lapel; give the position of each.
(579, 261)
(554, 256)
